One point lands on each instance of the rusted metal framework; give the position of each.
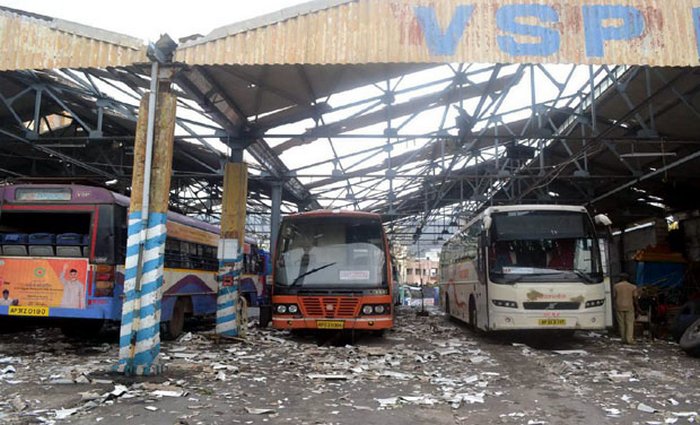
(426, 145)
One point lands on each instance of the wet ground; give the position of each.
(427, 370)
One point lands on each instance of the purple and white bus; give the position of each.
(62, 252)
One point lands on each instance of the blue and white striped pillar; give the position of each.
(230, 265)
(139, 337)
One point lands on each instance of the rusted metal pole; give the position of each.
(139, 342)
(230, 253)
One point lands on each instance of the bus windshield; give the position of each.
(331, 252)
(543, 246)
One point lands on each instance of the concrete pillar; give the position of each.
(230, 252)
(139, 341)
(276, 213)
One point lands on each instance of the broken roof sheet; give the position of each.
(31, 41)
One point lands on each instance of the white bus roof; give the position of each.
(534, 207)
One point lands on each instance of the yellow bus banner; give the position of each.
(48, 282)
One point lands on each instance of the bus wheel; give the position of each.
(173, 328)
(472, 316)
(265, 315)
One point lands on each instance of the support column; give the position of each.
(230, 252)
(276, 215)
(139, 340)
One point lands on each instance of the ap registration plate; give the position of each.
(16, 310)
(330, 324)
(552, 322)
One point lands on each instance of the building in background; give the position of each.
(422, 271)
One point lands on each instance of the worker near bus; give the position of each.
(626, 306)
(73, 289)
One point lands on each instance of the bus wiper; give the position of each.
(296, 280)
(583, 275)
(518, 278)
(512, 280)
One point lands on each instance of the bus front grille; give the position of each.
(348, 307)
(551, 306)
(330, 307)
(312, 306)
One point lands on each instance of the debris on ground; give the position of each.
(425, 366)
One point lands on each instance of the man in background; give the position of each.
(626, 305)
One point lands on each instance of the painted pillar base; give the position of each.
(139, 337)
(141, 370)
(230, 262)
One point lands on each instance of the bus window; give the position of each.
(536, 243)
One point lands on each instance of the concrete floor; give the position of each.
(427, 370)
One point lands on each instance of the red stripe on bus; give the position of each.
(93, 236)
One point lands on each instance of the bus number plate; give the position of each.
(28, 311)
(552, 322)
(330, 324)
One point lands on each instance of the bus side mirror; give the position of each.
(603, 220)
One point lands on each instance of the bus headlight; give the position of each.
(502, 303)
(595, 303)
(281, 309)
(376, 309)
(293, 309)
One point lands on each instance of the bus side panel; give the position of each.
(459, 285)
(198, 285)
(250, 287)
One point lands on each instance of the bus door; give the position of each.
(603, 244)
(482, 288)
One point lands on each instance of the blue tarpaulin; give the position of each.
(665, 275)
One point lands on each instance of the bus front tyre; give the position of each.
(173, 327)
(472, 316)
(265, 316)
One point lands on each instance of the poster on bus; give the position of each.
(48, 282)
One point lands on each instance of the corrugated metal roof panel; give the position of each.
(634, 32)
(30, 41)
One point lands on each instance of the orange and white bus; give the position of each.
(332, 270)
(526, 267)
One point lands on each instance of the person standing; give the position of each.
(626, 305)
(73, 290)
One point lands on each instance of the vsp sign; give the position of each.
(594, 31)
